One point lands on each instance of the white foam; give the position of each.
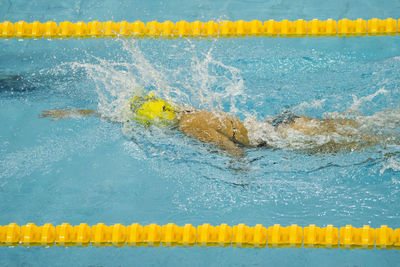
(315, 104)
(392, 163)
(357, 102)
(259, 132)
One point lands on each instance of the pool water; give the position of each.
(101, 170)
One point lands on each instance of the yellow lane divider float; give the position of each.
(205, 235)
(225, 28)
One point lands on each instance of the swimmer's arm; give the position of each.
(57, 114)
(212, 136)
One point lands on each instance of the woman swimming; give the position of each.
(231, 135)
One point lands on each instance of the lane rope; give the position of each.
(205, 235)
(213, 29)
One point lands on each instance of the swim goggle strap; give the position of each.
(150, 109)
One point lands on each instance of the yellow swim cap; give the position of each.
(149, 109)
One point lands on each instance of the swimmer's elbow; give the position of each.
(231, 148)
(236, 152)
(88, 112)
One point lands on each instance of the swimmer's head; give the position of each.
(150, 109)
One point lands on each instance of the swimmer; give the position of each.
(230, 134)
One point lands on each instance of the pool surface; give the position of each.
(99, 170)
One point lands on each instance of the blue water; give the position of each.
(90, 170)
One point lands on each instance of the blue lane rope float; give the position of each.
(205, 235)
(213, 29)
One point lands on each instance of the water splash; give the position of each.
(203, 82)
(303, 106)
(391, 162)
(354, 108)
(212, 82)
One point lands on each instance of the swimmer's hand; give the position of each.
(57, 114)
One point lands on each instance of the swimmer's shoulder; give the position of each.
(186, 114)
